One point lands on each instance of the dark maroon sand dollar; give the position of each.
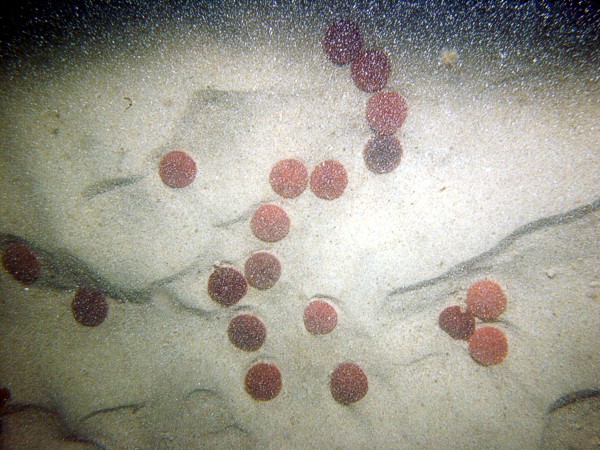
(247, 332)
(349, 383)
(263, 381)
(270, 223)
(371, 70)
(342, 42)
(4, 396)
(177, 169)
(227, 285)
(457, 323)
(382, 154)
(329, 179)
(21, 262)
(262, 270)
(90, 307)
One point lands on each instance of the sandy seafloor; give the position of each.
(500, 179)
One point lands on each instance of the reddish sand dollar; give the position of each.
(270, 223)
(247, 332)
(488, 346)
(382, 154)
(486, 299)
(177, 169)
(320, 317)
(457, 323)
(227, 285)
(329, 179)
(342, 42)
(289, 178)
(371, 70)
(90, 307)
(262, 270)
(21, 262)
(386, 112)
(349, 383)
(263, 381)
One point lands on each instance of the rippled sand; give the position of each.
(498, 179)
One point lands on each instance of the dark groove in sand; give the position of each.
(571, 398)
(108, 185)
(134, 407)
(503, 245)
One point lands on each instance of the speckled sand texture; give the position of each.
(498, 179)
